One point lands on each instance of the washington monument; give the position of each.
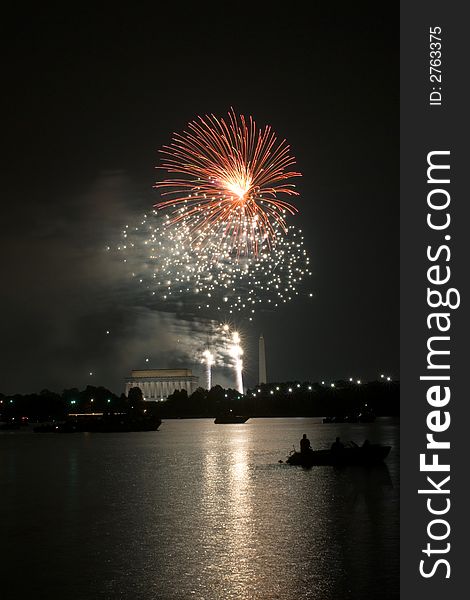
(262, 360)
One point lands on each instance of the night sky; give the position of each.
(89, 97)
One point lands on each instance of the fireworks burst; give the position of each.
(222, 241)
(169, 269)
(225, 179)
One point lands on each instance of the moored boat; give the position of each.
(366, 416)
(227, 419)
(363, 417)
(341, 419)
(102, 423)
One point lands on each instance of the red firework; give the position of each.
(225, 180)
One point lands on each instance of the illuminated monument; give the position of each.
(262, 360)
(158, 384)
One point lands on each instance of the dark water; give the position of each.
(196, 510)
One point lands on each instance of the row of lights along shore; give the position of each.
(277, 389)
(310, 388)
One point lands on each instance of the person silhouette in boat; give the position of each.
(337, 446)
(305, 444)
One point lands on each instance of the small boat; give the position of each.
(366, 417)
(14, 424)
(108, 423)
(341, 419)
(372, 454)
(227, 419)
(10, 426)
(48, 427)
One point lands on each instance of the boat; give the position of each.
(341, 419)
(48, 427)
(366, 416)
(103, 423)
(10, 426)
(224, 420)
(14, 424)
(227, 419)
(371, 454)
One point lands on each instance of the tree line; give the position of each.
(266, 400)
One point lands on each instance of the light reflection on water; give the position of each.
(228, 517)
(200, 511)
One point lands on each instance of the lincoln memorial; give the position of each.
(158, 384)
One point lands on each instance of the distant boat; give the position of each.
(101, 423)
(366, 416)
(363, 417)
(341, 419)
(10, 426)
(371, 454)
(337, 419)
(48, 427)
(14, 424)
(226, 419)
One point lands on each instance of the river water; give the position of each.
(197, 511)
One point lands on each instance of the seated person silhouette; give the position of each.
(337, 445)
(305, 444)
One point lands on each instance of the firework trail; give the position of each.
(225, 179)
(224, 350)
(208, 362)
(237, 354)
